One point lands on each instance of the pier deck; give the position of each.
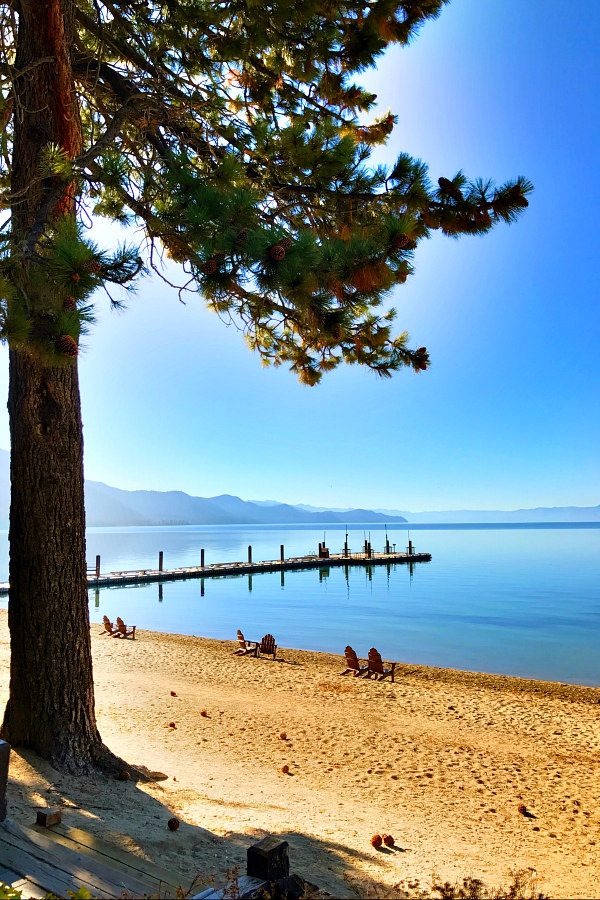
(143, 576)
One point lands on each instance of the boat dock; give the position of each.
(322, 560)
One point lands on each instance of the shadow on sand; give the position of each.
(126, 815)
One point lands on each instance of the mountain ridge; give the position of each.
(110, 506)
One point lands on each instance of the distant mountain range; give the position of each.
(106, 505)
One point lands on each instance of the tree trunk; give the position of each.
(51, 703)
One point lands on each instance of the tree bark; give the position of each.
(51, 703)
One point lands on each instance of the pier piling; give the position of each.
(160, 560)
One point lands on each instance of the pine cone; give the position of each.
(70, 304)
(286, 243)
(431, 220)
(448, 187)
(66, 345)
(75, 277)
(242, 236)
(210, 266)
(420, 359)
(400, 242)
(93, 266)
(277, 252)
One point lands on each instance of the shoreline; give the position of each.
(441, 759)
(584, 693)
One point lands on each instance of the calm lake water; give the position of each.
(520, 600)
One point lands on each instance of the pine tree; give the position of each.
(236, 135)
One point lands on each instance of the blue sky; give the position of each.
(508, 414)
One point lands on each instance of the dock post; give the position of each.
(250, 554)
(345, 548)
(281, 552)
(202, 558)
(160, 560)
(97, 566)
(410, 547)
(369, 549)
(4, 756)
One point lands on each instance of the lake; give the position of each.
(519, 600)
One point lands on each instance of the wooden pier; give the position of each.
(96, 579)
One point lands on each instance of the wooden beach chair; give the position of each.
(123, 630)
(267, 646)
(108, 626)
(377, 666)
(353, 664)
(245, 648)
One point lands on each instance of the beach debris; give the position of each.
(173, 694)
(172, 725)
(283, 736)
(388, 840)
(173, 824)
(123, 775)
(204, 713)
(285, 769)
(376, 841)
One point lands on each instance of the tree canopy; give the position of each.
(236, 133)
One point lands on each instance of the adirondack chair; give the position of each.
(377, 667)
(267, 646)
(353, 664)
(108, 626)
(123, 630)
(246, 648)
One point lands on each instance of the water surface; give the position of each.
(520, 600)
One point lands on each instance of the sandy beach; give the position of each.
(441, 760)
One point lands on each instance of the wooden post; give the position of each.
(281, 552)
(369, 549)
(268, 859)
(202, 557)
(4, 756)
(160, 560)
(97, 566)
(250, 554)
(410, 547)
(345, 548)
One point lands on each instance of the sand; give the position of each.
(441, 760)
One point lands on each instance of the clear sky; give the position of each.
(508, 414)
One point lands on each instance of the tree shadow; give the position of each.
(123, 813)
